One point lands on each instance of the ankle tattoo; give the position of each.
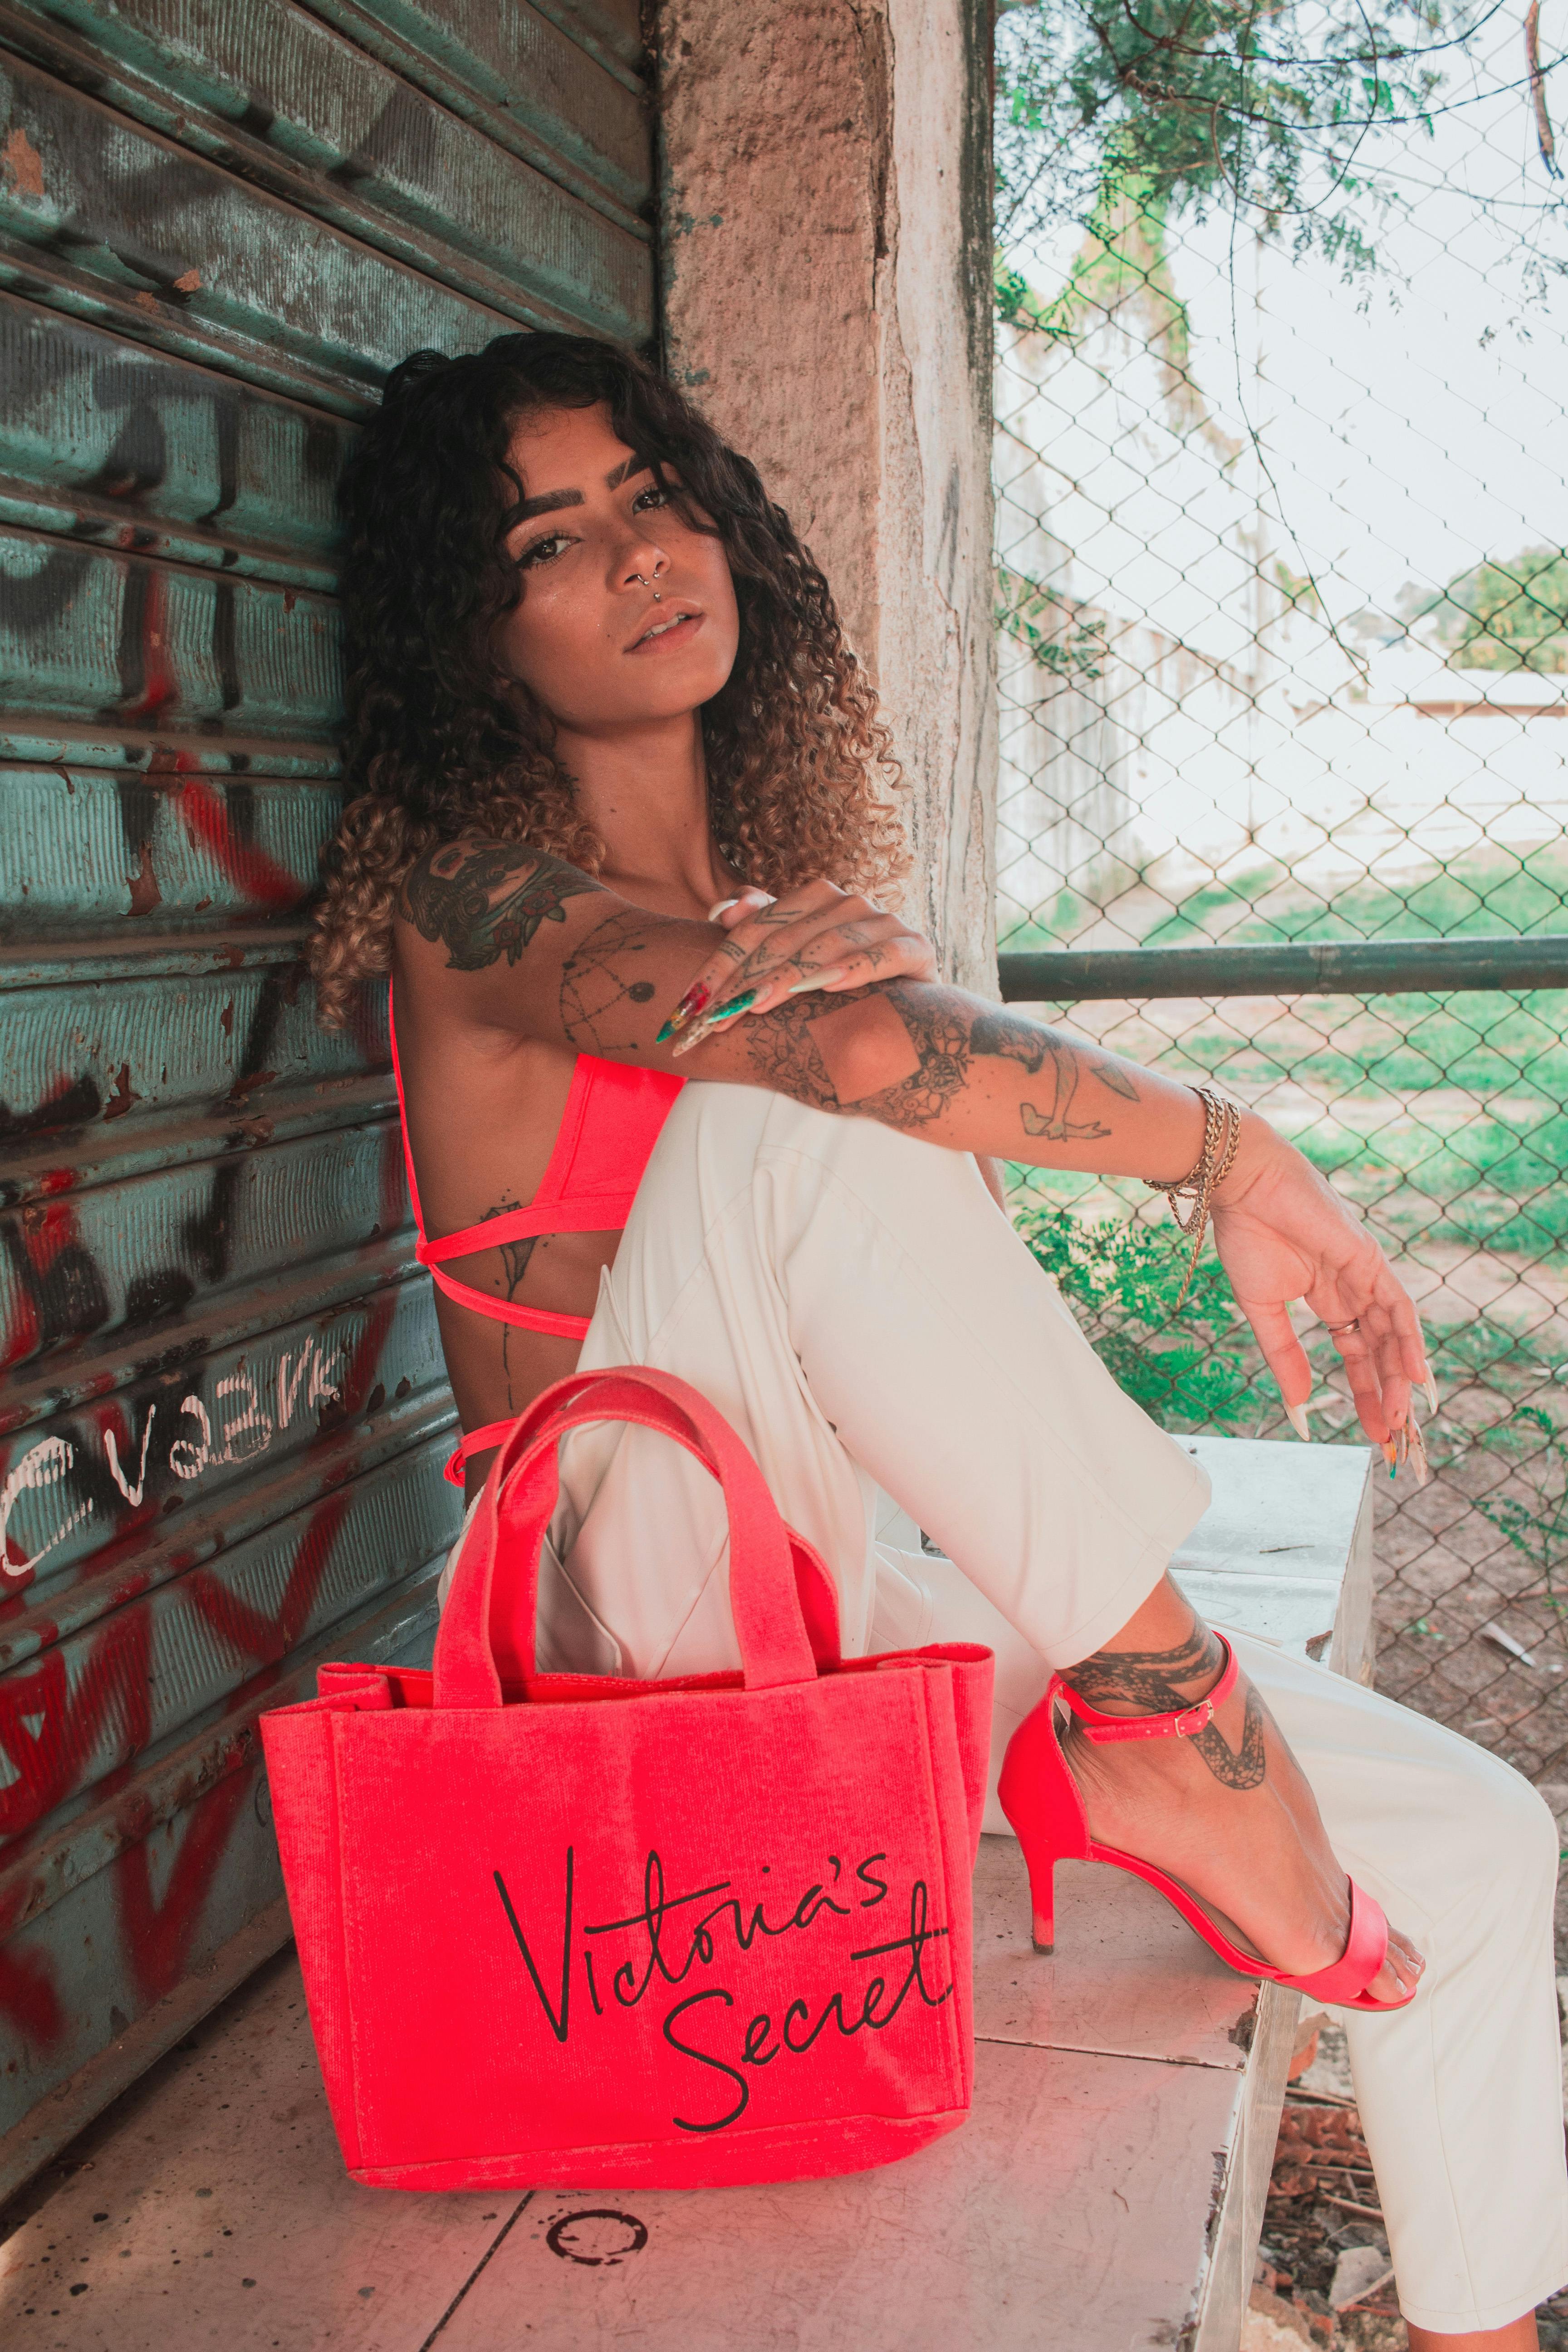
(1148, 1681)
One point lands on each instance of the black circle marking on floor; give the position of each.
(556, 2235)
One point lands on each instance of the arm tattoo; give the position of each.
(786, 1055)
(799, 1048)
(1010, 1039)
(945, 1036)
(1025, 1042)
(1148, 1681)
(600, 987)
(483, 899)
(1055, 1125)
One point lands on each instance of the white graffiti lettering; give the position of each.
(111, 1455)
(45, 1466)
(288, 1384)
(185, 1459)
(322, 1387)
(307, 1379)
(253, 1423)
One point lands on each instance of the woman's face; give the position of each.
(597, 537)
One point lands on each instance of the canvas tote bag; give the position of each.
(582, 1931)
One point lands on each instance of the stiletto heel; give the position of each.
(1041, 1799)
(1043, 1900)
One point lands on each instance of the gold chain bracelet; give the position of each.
(1222, 1133)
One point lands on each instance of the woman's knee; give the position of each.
(1505, 1830)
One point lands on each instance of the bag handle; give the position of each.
(520, 1497)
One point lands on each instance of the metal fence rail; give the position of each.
(1473, 1583)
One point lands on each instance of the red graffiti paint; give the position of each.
(27, 1993)
(50, 1731)
(159, 685)
(158, 1936)
(259, 878)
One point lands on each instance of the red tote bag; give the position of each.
(581, 1931)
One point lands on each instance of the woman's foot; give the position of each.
(1226, 1810)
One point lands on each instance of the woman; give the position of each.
(623, 783)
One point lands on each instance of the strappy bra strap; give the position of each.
(584, 1213)
(502, 1310)
(477, 1440)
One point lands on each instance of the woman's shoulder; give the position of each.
(481, 899)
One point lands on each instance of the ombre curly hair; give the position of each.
(801, 777)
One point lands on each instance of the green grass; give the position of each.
(1491, 893)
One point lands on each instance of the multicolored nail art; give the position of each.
(1391, 1456)
(690, 1006)
(719, 1018)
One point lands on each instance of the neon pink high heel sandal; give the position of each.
(1041, 1799)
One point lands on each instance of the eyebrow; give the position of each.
(551, 502)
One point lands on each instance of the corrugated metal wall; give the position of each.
(224, 1413)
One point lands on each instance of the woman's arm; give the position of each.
(514, 941)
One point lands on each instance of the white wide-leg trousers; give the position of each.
(854, 1303)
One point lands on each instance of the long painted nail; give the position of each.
(1296, 1414)
(690, 1006)
(1430, 1385)
(811, 979)
(719, 1018)
(732, 1006)
(1418, 1460)
(1391, 1456)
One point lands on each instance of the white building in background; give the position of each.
(1185, 717)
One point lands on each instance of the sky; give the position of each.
(1412, 423)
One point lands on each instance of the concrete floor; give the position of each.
(1075, 2209)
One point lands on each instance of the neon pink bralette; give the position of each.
(612, 1121)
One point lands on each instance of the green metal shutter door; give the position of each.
(224, 1413)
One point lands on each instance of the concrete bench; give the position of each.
(1106, 2196)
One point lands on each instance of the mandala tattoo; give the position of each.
(784, 1054)
(484, 899)
(1147, 1682)
(601, 990)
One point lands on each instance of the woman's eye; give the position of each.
(544, 551)
(652, 497)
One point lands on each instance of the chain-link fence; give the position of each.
(1282, 607)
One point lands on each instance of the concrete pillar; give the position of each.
(826, 265)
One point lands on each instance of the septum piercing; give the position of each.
(648, 584)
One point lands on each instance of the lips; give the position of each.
(680, 626)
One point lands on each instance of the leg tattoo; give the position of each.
(1147, 1682)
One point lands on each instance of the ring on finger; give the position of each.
(1338, 1331)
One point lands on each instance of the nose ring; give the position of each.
(648, 584)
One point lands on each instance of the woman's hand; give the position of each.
(1283, 1234)
(815, 937)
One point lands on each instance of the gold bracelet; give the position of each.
(1222, 1134)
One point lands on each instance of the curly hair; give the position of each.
(439, 743)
